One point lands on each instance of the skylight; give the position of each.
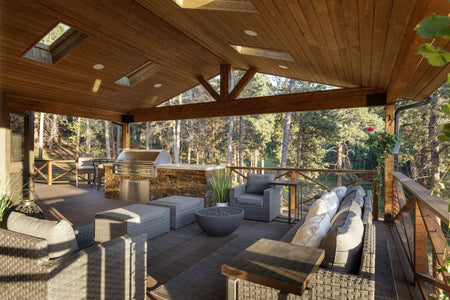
(223, 5)
(139, 74)
(273, 54)
(56, 44)
(54, 34)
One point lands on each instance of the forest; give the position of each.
(329, 139)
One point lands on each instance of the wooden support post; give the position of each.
(50, 173)
(389, 164)
(293, 192)
(420, 243)
(225, 74)
(125, 136)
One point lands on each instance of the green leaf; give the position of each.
(443, 138)
(448, 77)
(441, 185)
(434, 26)
(435, 56)
(446, 108)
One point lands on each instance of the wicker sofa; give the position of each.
(111, 270)
(326, 283)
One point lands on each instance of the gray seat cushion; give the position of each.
(354, 193)
(257, 183)
(250, 199)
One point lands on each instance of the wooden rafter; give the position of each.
(407, 60)
(208, 88)
(319, 100)
(242, 83)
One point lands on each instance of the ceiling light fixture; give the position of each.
(98, 67)
(96, 85)
(283, 67)
(250, 32)
(157, 85)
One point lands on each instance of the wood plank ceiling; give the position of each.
(345, 43)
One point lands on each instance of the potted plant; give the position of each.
(221, 181)
(9, 197)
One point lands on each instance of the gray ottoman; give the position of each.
(133, 218)
(182, 209)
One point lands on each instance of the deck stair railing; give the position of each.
(297, 174)
(418, 219)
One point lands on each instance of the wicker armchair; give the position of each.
(112, 270)
(326, 283)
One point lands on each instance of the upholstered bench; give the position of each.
(152, 220)
(182, 209)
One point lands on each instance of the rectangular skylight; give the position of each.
(139, 74)
(273, 54)
(223, 5)
(54, 34)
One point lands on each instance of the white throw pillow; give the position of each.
(313, 231)
(319, 207)
(333, 203)
(340, 192)
(59, 234)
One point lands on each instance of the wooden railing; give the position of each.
(294, 174)
(418, 224)
(57, 171)
(51, 171)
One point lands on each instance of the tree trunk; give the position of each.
(176, 135)
(148, 136)
(118, 138)
(285, 145)
(300, 137)
(339, 159)
(230, 141)
(53, 131)
(77, 146)
(241, 137)
(113, 144)
(41, 134)
(433, 132)
(88, 135)
(107, 140)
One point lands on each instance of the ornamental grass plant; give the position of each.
(9, 197)
(221, 182)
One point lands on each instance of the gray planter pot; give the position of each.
(219, 221)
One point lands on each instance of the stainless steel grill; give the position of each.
(142, 164)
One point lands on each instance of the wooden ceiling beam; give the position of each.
(208, 88)
(407, 60)
(242, 83)
(225, 79)
(319, 100)
(31, 104)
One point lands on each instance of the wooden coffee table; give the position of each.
(275, 264)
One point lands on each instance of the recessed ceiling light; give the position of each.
(98, 67)
(283, 67)
(157, 85)
(250, 32)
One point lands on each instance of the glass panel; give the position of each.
(17, 125)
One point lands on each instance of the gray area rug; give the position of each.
(204, 280)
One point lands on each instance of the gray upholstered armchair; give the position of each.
(258, 199)
(112, 270)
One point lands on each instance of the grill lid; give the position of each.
(155, 157)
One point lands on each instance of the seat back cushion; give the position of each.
(343, 243)
(312, 232)
(354, 193)
(59, 234)
(257, 183)
(328, 203)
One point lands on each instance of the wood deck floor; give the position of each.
(185, 264)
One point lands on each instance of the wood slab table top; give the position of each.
(275, 264)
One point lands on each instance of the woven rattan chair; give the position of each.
(326, 283)
(112, 270)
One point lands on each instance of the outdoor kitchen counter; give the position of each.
(171, 180)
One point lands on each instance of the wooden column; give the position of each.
(125, 136)
(389, 164)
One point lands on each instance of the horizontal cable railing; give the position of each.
(418, 219)
(299, 174)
